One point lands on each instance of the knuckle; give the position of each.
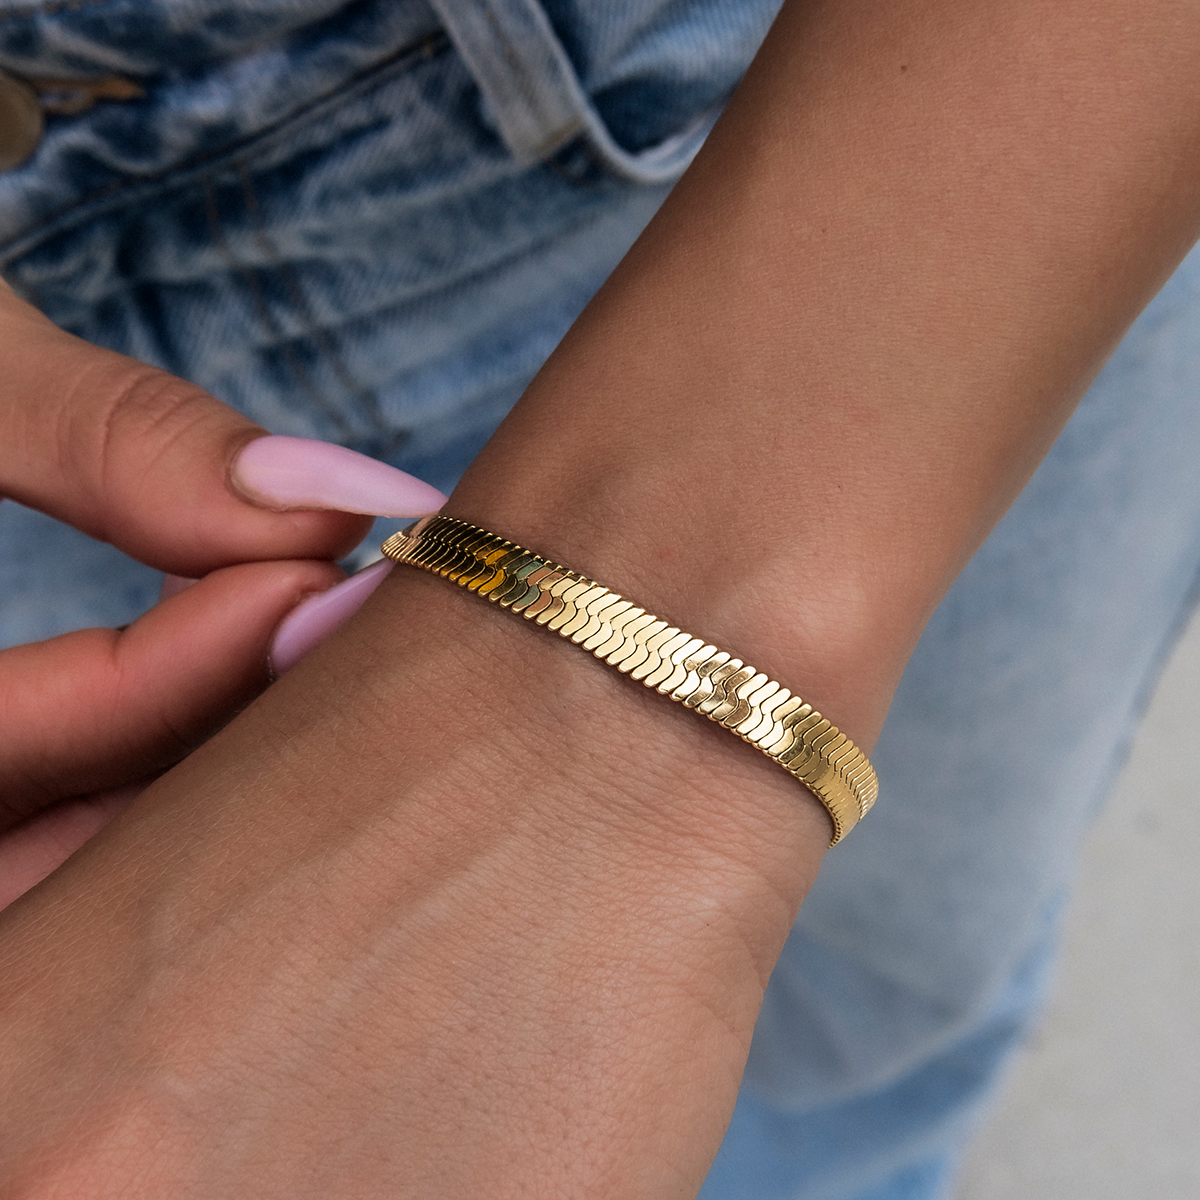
(128, 425)
(142, 418)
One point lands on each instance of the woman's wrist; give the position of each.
(447, 864)
(632, 759)
(841, 347)
(760, 588)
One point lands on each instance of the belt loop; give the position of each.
(535, 96)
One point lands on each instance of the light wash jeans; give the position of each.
(371, 222)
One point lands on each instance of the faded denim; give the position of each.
(371, 222)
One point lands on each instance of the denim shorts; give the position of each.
(371, 222)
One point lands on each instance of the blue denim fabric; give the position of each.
(920, 956)
(370, 222)
(313, 215)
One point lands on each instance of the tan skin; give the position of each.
(136, 457)
(141, 459)
(454, 910)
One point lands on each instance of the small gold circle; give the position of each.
(21, 122)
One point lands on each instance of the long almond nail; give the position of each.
(314, 619)
(172, 585)
(290, 472)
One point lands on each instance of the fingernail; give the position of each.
(172, 585)
(314, 619)
(291, 472)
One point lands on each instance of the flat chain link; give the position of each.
(660, 656)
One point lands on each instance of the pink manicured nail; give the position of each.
(291, 472)
(312, 621)
(172, 585)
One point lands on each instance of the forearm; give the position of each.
(857, 324)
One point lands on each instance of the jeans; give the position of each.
(371, 222)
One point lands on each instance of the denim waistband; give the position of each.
(367, 221)
(216, 73)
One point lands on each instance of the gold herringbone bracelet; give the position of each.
(698, 675)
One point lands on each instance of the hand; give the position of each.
(450, 912)
(173, 477)
(453, 910)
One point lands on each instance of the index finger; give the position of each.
(139, 458)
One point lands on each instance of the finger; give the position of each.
(172, 585)
(41, 844)
(311, 622)
(99, 708)
(139, 458)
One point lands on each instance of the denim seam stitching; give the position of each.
(115, 193)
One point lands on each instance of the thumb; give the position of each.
(102, 707)
(139, 458)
